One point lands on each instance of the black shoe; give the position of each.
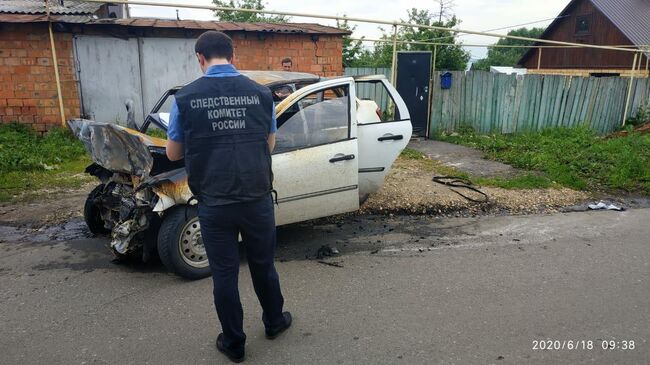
(232, 355)
(275, 332)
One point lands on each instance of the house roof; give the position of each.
(629, 16)
(82, 12)
(305, 28)
(289, 28)
(69, 7)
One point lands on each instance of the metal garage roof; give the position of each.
(58, 7)
(288, 28)
(304, 28)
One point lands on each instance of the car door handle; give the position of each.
(342, 158)
(391, 138)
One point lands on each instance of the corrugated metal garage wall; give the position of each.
(108, 72)
(113, 70)
(166, 62)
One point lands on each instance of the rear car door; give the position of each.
(384, 129)
(315, 161)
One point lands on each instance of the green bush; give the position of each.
(22, 149)
(573, 157)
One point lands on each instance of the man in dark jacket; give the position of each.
(224, 125)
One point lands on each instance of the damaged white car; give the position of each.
(334, 147)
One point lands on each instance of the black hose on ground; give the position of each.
(460, 182)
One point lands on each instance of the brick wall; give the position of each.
(323, 57)
(27, 83)
(28, 88)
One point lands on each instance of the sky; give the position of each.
(480, 15)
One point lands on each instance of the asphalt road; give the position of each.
(412, 290)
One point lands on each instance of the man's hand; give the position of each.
(271, 141)
(175, 150)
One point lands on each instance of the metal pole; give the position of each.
(615, 47)
(629, 90)
(393, 75)
(56, 66)
(427, 133)
(539, 58)
(354, 19)
(435, 57)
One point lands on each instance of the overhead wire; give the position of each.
(357, 19)
(502, 28)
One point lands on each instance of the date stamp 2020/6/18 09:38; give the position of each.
(598, 344)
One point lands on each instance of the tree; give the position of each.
(499, 56)
(241, 16)
(445, 8)
(351, 49)
(448, 57)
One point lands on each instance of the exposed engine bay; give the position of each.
(138, 182)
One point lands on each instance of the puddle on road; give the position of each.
(348, 234)
(74, 229)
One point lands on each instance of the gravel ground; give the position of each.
(409, 189)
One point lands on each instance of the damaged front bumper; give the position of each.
(138, 182)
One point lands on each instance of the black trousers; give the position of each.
(220, 228)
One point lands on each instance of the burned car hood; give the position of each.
(115, 148)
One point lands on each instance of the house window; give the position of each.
(583, 24)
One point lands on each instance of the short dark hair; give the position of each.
(213, 44)
(286, 60)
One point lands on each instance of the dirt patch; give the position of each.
(465, 159)
(409, 189)
(47, 208)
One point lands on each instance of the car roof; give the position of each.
(272, 78)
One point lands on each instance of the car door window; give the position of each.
(318, 118)
(375, 103)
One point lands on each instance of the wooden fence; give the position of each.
(496, 103)
(368, 91)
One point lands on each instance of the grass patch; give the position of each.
(411, 154)
(430, 165)
(29, 162)
(528, 181)
(572, 157)
(156, 132)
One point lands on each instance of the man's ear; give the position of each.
(201, 59)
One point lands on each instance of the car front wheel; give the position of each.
(180, 245)
(93, 214)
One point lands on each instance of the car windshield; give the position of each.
(165, 109)
(164, 119)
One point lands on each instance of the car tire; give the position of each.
(180, 246)
(92, 213)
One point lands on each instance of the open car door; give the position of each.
(384, 129)
(315, 161)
